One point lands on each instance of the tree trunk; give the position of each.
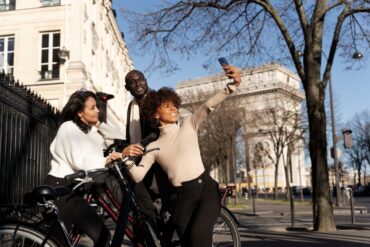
(256, 182)
(276, 178)
(264, 182)
(359, 175)
(323, 219)
(365, 175)
(247, 167)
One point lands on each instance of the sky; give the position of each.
(351, 88)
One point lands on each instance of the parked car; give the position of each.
(307, 191)
(297, 190)
(362, 190)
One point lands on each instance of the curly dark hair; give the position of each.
(76, 104)
(155, 99)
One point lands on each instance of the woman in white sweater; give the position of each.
(79, 145)
(196, 200)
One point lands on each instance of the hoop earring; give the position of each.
(158, 123)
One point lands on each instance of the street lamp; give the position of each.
(335, 154)
(357, 55)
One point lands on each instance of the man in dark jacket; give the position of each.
(155, 184)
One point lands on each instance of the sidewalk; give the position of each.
(271, 226)
(275, 215)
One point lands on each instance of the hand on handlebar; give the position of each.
(133, 150)
(112, 157)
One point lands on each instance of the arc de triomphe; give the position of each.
(263, 89)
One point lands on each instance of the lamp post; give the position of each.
(357, 55)
(300, 171)
(335, 154)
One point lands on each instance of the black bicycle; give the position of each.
(31, 224)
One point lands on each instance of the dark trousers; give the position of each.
(74, 210)
(196, 205)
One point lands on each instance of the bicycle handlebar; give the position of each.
(78, 174)
(89, 175)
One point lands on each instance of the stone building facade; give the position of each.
(56, 47)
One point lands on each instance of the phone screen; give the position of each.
(223, 61)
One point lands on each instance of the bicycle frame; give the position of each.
(122, 218)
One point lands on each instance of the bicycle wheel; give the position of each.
(19, 235)
(225, 231)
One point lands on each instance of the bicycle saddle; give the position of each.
(45, 193)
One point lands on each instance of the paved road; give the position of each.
(271, 226)
(269, 238)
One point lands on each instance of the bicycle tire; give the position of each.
(22, 235)
(225, 231)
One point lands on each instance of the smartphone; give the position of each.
(223, 61)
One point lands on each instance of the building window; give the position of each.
(7, 54)
(50, 2)
(50, 46)
(7, 5)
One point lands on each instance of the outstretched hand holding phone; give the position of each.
(230, 71)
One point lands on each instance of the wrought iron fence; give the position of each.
(28, 125)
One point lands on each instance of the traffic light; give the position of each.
(347, 138)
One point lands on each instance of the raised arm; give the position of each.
(202, 112)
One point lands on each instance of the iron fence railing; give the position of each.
(28, 125)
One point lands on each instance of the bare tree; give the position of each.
(357, 158)
(245, 28)
(359, 153)
(283, 125)
(262, 159)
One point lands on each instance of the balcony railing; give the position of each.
(49, 74)
(46, 3)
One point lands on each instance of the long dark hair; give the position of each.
(155, 99)
(76, 104)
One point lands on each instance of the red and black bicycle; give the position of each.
(29, 225)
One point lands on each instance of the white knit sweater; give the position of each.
(73, 150)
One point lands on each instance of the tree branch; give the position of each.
(334, 5)
(301, 15)
(347, 12)
(288, 39)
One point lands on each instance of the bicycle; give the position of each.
(225, 230)
(27, 230)
(22, 225)
(30, 224)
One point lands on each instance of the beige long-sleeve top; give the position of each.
(179, 154)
